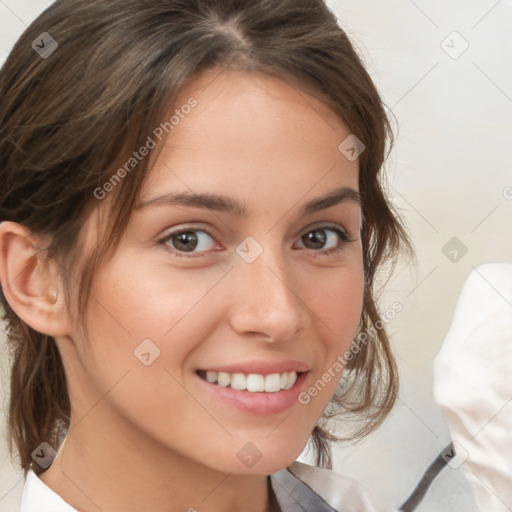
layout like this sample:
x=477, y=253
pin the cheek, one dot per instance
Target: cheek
x=342, y=303
x=131, y=303
x=338, y=311
x=143, y=324
x=336, y=305
x=142, y=328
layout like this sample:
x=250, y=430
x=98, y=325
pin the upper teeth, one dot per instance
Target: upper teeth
x=253, y=382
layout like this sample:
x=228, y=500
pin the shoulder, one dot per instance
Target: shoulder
x=340, y=492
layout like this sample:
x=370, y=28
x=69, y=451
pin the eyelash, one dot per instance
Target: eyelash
x=343, y=235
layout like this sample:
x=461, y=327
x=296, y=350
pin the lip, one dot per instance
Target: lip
x=260, y=403
x=261, y=367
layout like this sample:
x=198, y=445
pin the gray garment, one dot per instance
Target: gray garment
x=293, y=495
x=301, y=488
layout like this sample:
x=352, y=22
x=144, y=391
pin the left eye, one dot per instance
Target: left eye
x=190, y=240
x=318, y=236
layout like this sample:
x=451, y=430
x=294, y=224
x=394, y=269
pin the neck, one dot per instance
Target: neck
x=119, y=469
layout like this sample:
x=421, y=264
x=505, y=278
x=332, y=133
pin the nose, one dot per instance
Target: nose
x=266, y=300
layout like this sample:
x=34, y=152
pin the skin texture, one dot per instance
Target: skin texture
x=151, y=437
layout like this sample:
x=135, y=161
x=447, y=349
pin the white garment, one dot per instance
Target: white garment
x=473, y=384
x=299, y=488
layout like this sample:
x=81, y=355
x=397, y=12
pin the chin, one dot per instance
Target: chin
x=261, y=458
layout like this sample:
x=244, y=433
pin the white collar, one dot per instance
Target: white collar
x=38, y=497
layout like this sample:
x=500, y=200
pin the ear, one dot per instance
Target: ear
x=26, y=284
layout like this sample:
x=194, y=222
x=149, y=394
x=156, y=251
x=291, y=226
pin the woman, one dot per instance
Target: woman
x=148, y=375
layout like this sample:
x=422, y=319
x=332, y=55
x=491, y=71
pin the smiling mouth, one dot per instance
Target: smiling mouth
x=252, y=382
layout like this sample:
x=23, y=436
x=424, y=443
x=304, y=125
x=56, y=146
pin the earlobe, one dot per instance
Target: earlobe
x=26, y=285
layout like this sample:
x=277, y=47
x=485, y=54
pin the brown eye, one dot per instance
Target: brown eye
x=186, y=241
x=317, y=238
x=189, y=241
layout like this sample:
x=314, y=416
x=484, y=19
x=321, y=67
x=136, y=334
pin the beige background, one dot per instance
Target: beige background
x=447, y=174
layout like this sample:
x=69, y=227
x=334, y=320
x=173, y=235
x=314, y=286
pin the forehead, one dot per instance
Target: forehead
x=259, y=103
x=249, y=129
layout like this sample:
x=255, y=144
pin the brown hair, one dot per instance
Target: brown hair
x=68, y=119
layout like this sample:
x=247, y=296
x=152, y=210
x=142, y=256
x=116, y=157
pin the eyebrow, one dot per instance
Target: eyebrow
x=227, y=204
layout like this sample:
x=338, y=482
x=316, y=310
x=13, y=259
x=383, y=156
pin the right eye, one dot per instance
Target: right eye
x=187, y=240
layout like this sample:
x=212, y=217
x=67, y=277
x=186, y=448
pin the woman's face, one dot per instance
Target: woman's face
x=238, y=299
